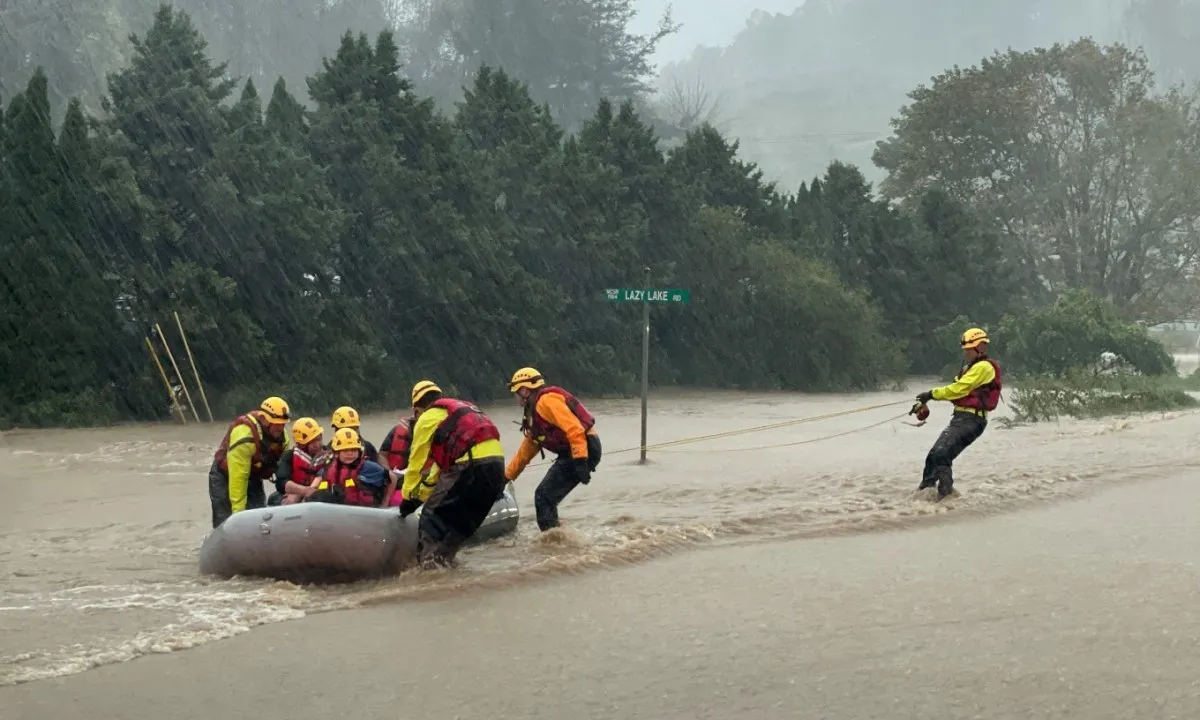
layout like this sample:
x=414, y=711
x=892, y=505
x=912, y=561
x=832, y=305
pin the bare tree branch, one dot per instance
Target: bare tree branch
x=689, y=105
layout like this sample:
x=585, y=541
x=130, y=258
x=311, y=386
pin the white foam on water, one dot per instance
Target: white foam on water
x=91, y=578
x=198, y=614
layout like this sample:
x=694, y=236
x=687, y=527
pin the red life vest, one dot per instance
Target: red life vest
x=304, y=468
x=985, y=397
x=465, y=427
x=267, y=451
x=547, y=435
x=401, y=444
x=342, y=479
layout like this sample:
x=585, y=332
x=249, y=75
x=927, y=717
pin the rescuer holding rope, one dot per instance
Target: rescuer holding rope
x=974, y=393
x=556, y=421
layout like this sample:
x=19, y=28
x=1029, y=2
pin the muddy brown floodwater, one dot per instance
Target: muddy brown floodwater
x=100, y=528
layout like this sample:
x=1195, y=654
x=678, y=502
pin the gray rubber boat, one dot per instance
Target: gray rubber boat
x=322, y=542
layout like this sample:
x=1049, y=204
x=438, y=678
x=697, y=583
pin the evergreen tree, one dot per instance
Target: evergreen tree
x=339, y=254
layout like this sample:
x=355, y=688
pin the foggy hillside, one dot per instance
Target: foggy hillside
x=701, y=22
x=805, y=87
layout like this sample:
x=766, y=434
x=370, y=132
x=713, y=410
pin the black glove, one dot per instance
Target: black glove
x=583, y=471
x=408, y=506
x=925, y=397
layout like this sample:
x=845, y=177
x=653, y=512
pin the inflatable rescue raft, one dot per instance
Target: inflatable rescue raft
x=321, y=541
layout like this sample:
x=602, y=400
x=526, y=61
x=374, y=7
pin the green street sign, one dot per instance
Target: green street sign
x=654, y=295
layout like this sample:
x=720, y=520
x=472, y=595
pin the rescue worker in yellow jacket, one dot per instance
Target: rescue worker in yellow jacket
x=347, y=417
x=974, y=393
x=464, y=446
x=249, y=454
x=557, y=422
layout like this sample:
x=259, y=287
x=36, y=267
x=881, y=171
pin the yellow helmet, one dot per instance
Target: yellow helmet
x=973, y=338
x=345, y=417
x=526, y=377
x=305, y=430
x=422, y=389
x=276, y=410
x=346, y=439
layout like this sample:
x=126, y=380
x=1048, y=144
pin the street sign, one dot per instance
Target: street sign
x=646, y=296
x=654, y=295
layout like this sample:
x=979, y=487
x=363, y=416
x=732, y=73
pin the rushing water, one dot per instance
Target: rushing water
x=100, y=527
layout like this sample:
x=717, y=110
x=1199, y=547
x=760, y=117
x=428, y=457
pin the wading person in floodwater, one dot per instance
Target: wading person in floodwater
x=974, y=393
x=557, y=422
x=465, y=447
x=248, y=454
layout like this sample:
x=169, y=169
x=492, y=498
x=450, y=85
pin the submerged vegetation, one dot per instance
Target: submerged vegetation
x=1039, y=399
x=1077, y=358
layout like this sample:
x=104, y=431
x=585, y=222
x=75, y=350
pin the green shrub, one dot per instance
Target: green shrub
x=88, y=407
x=1071, y=335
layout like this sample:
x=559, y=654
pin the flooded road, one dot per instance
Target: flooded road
x=99, y=532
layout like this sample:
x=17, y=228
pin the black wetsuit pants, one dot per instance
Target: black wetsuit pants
x=459, y=504
x=964, y=429
x=218, y=495
x=559, y=481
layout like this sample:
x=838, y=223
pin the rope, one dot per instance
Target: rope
x=797, y=442
x=762, y=428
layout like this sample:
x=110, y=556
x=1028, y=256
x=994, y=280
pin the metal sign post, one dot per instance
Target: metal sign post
x=645, y=296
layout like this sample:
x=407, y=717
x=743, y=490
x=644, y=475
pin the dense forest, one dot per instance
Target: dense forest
x=336, y=242
x=569, y=53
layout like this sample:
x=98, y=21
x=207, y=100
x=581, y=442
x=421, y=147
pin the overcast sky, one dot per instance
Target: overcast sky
x=705, y=22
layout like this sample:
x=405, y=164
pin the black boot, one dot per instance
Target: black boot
x=434, y=555
x=945, y=483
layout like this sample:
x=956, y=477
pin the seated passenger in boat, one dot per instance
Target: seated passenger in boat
x=347, y=417
x=300, y=464
x=352, y=479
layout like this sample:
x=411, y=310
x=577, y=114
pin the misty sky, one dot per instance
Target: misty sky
x=705, y=22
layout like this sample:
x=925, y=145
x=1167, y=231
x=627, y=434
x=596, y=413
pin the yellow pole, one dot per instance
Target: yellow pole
x=178, y=374
x=166, y=382
x=195, y=372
